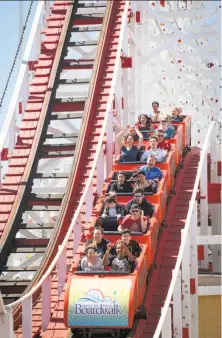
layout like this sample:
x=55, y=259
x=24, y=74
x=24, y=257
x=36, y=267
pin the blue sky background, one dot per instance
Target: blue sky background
x=9, y=39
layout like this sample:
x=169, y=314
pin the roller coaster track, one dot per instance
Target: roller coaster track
x=28, y=249
x=46, y=104
x=168, y=247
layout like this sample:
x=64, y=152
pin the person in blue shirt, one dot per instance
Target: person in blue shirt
x=129, y=151
x=168, y=128
x=152, y=173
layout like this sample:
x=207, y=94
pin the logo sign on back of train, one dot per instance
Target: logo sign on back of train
x=96, y=302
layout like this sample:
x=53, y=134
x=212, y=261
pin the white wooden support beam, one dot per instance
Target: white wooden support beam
x=215, y=210
x=109, y=143
x=133, y=54
x=167, y=327
x=27, y=318
x=89, y=204
x=118, y=117
x=135, y=41
x=186, y=300
x=193, y=13
x=125, y=98
x=157, y=5
x=100, y=172
x=177, y=308
x=25, y=90
x=46, y=302
x=213, y=157
x=6, y=320
x=209, y=240
x=204, y=211
x=194, y=273
x=177, y=33
x=77, y=234
x=62, y=270
x=140, y=84
x=125, y=78
x=118, y=98
x=209, y=290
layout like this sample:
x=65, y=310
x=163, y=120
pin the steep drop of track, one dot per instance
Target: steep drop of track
x=88, y=141
x=47, y=148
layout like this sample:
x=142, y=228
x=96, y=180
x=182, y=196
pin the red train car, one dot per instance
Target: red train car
x=110, y=299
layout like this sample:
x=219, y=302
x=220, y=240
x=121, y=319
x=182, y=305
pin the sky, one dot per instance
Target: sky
x=9, y=39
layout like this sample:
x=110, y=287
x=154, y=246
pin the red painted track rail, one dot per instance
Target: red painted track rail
x=43, y=107
x=16, y=197
x=63, y=20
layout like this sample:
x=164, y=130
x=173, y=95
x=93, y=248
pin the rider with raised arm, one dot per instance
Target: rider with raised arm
x=129, y=152
x=122, y=261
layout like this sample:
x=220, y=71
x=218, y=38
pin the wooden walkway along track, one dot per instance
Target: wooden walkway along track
x=168, y=247
x=32, y=194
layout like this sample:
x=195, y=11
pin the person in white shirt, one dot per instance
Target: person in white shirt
x=91, y=261
x=158, y=153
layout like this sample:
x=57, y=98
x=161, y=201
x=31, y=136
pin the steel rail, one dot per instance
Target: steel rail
x=90, y=178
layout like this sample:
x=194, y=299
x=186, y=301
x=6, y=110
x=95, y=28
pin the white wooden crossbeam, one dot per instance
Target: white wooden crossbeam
x=28, y=262
x=135, y=42
x=177, y=33
x=191, y=13
x=209, y=239
x=211, y=290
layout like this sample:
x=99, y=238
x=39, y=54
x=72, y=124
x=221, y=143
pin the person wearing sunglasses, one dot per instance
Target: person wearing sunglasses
x=139, y=199
x=112, y=208
x=161, y=142
x=136, y=221
x=168, y=128
x=159, y=154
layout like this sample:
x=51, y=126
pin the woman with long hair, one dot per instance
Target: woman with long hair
x=144, y=124
x=129, y=151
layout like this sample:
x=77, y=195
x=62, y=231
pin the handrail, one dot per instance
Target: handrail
x=90, y=178
x=21, y=78
x=184, y=235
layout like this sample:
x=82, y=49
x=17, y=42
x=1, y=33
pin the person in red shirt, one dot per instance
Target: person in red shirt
x=136, y=222
x=161, y=142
